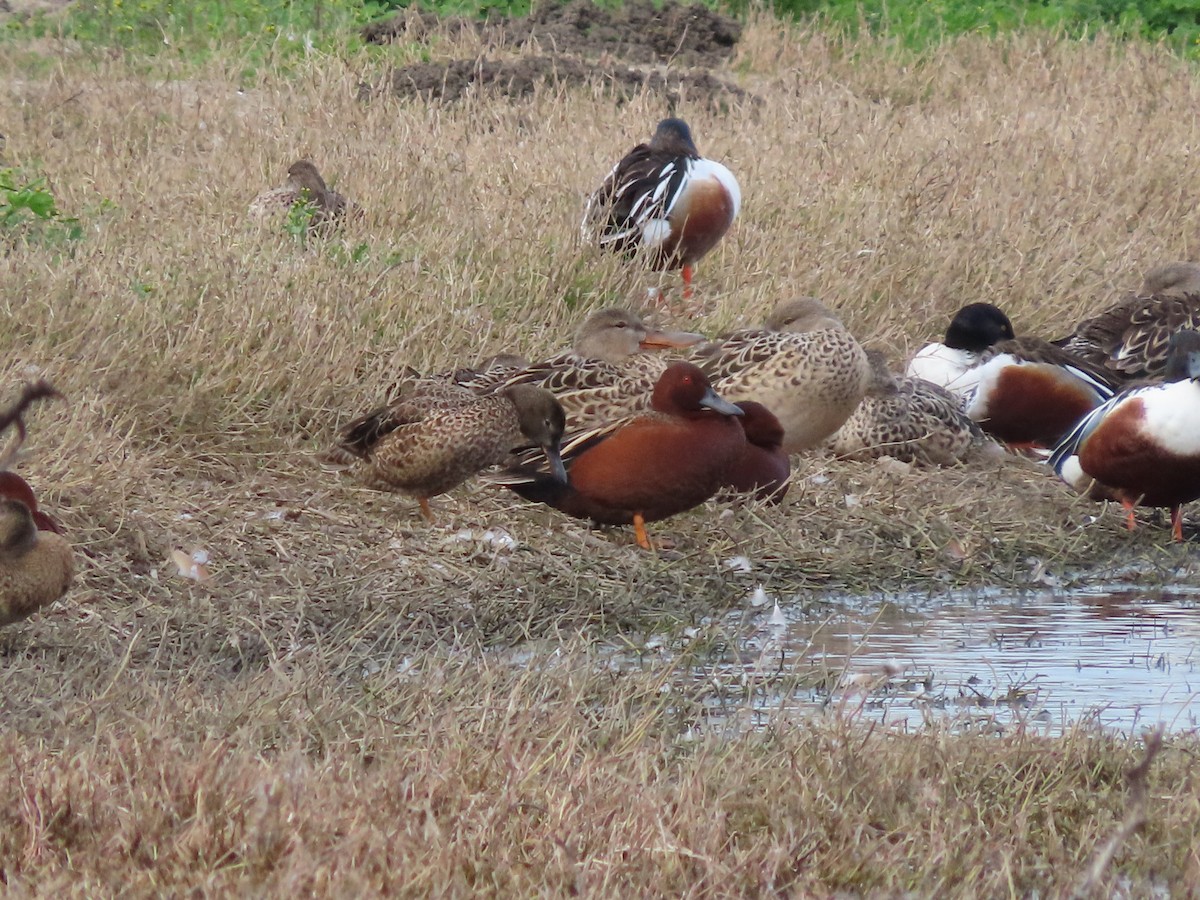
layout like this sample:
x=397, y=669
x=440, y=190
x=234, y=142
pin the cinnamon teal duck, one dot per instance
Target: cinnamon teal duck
x=648, y=466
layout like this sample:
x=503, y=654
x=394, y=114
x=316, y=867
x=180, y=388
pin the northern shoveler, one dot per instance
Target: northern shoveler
x=1143, y=446
x=665, y=201
x=36, y=566
x=648, y=466
x=1023, y=391
x=441, y=446
x=803, y=365
x=1131, y=338
x=763, y=469
x=606, y=375
x=909, y=419
x=304, y=185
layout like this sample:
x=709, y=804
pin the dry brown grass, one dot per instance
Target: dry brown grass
x=164, y=734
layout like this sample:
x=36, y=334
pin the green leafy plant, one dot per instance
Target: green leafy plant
x=28, y=210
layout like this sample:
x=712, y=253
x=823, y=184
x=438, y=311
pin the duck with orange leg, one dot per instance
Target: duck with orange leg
x=1143, y=446
x=649, y=466
x=1023, y=391
x=427, y=452
x=664, y=201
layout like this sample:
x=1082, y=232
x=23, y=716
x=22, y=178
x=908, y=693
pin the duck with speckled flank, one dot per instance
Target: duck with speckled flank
x=1131, y=338
x=450, y=442
x=304, y=185
x=610, y=371
x=803, y=365
x=909, y=419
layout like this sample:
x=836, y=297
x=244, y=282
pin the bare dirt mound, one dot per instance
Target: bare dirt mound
x=519, y=77
x=572, y=44
x=638, y=32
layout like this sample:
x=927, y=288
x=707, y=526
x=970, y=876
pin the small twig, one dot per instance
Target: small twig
x=1135, y=817
x=38, y=390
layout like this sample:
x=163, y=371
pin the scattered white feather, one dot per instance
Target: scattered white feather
x=739, y=564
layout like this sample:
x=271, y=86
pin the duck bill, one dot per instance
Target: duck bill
x=665, y=340
x=557, y=469
x=719, y=404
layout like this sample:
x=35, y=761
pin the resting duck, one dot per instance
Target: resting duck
x=435, y=444
x=1023, y=391
x=304, y=185
x=36, y=566
x=649, y=466
x=665, y=201
x=1131, y=338
x=803, y=365
x=36, y=563
x=1143, y=445
x=909, y=419
x=606, y=374
x=763, y=469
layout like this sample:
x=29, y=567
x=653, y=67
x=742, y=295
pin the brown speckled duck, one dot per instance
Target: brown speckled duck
x=909, y=419
x=304, y=185
x=606, y=374
x=1131, y=338
x=803, y=365
x=442, y=443
x=35, y=561
x=35, y=566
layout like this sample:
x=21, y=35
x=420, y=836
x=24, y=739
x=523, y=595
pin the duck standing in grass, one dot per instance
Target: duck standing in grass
x=1023, y=391
x=435, y=444
x=1143, y=445
x=304, y=186
x=909, y=419
x=664, y=201
x=649, y=466
x=611, y=369
x=1131, y=338
x=803, y=365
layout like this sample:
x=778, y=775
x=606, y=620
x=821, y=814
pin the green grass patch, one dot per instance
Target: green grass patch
x=281, y=30
x=917, y=24
x=28, y=212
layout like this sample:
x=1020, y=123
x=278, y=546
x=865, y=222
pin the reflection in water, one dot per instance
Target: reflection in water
x=1122, y=659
